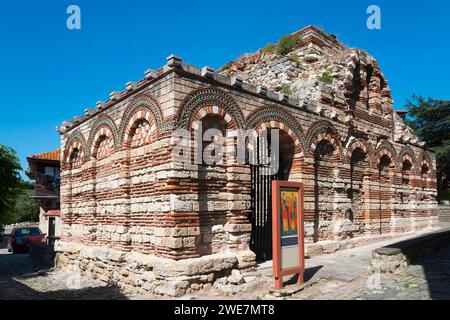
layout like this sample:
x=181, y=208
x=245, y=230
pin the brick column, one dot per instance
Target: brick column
x=238, y=190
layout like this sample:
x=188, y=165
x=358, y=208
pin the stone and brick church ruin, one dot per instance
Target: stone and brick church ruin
x=134, y=217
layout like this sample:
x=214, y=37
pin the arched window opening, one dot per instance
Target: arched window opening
x=358, y=164
x=103, y=147
x=356, y=86
x=349, y=214
x=212, y=182
x=386, y=192
x=287, y=150
x=384, y=167
x=323, y=192
x=405, y=194
x=406, y=172
x=424, y=171
x=75, y=157
x=213, y=121
x=369, y=73
x=324, y=151
x=140, y=133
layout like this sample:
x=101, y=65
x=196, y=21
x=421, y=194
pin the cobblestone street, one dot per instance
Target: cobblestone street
x=22, y=278
x=343, y=275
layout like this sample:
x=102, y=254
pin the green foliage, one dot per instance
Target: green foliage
x=443, y=166
x=16, y=205
x=294, y=58
x=9, y=178
x=329, y=36
x=270, y=48
x=25, y=209
x=287, y=43
x=430, y=120
x=363, y=53
x=286, y=90
x=444, y=194
x=325, y=78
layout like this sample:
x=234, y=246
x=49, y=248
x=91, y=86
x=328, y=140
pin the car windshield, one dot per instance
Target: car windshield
x=28, y=232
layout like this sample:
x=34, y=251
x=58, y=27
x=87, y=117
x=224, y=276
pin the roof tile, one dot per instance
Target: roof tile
x=51, y=155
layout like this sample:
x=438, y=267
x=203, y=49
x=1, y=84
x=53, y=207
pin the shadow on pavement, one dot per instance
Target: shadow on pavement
x=17, y=267
x=437, y=273
x=308, y=275
x=15, y=290
x=432, y=253
x=310, y=272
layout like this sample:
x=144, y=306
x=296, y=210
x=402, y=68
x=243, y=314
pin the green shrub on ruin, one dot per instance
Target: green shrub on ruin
x=329, y=36
x=287, y=43
x=325, y=78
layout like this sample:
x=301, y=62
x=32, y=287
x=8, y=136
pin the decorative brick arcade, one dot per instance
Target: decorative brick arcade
x=134, y=217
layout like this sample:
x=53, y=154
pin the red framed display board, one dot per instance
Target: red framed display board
x=287, y=232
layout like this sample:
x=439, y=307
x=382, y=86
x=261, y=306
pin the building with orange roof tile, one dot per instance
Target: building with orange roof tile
x=44, y=168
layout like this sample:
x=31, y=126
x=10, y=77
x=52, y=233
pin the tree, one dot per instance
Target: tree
x=26, y=209
x=10, y=181
x=430, y=120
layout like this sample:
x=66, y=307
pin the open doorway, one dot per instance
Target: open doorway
x=261, y=239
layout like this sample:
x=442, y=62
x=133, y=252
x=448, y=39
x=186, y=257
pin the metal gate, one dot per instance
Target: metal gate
x=261, y=240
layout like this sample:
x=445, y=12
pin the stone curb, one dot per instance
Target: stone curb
x=401, y=254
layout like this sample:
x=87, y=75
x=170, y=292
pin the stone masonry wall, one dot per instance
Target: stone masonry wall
x=134, y=217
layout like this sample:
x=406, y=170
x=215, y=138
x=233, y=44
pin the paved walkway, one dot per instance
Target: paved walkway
x=425, y=279
x=345, y=276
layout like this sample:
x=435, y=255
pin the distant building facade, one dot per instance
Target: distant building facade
x=133, y=216
x=45, y=169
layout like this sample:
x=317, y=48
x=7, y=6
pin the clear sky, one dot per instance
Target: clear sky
x=49, y=73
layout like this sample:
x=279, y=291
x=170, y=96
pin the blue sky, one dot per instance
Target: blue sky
x=49, y=74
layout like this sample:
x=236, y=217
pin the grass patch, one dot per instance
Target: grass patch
x=294, y=58
x=325, y=78
x=270, y=48
x=286, y=90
